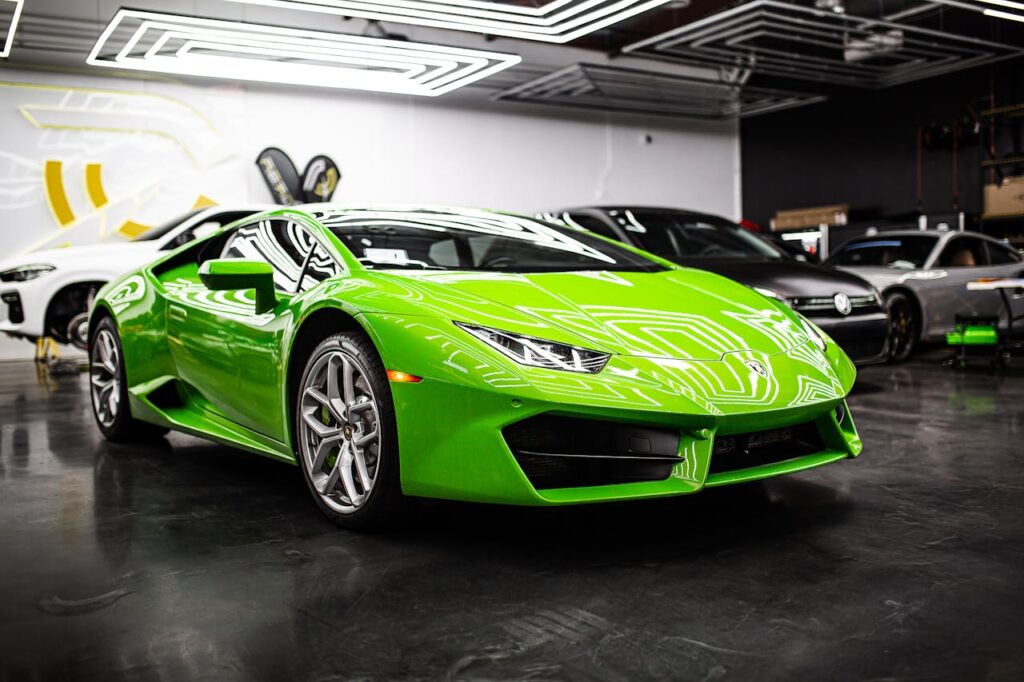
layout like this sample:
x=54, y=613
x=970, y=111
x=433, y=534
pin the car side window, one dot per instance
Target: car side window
x=281, y=243
x=319, y=267
x=203, y=229
x=592, y=223
x=963, y=252
x=1001, y=255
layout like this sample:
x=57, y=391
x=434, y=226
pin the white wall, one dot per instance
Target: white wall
x=162, y=144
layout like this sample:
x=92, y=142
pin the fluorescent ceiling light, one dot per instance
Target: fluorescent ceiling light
x=1003, y=15
x=555, y=21
x=1005, y=3
x=196, y=46
x=10, y=13
x=980, y=6
x=603, y=87
x=797, y=42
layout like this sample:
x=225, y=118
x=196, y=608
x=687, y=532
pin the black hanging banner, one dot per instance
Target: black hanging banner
x=280, y=175
x=320, y=179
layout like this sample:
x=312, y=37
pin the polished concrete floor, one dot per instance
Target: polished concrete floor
x=184, y=560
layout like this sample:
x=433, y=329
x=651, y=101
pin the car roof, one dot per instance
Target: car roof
x=332, y=209
x=605, y=208
x=235, y=208
x=940, y=235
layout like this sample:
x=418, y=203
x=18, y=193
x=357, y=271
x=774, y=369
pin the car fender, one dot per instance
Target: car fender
x=919, y=302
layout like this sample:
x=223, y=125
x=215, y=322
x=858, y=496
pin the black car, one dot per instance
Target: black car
x=847, y=307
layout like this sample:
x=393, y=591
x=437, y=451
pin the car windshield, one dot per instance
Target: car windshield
x=435, y=239
x=903, y=252
x=161, y=230
x=679, y=235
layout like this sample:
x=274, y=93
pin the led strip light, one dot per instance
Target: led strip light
x=556, y=21
x=1016, y=12
x=798, y=42
x=612, y=88
x=11, y=8
x=1012, y=10
x=196, y=46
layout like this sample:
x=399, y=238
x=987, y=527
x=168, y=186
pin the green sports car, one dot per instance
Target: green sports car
x=464, y=354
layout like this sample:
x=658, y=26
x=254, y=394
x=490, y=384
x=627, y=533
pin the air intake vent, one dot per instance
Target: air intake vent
x=569, y=452
x=748, y=450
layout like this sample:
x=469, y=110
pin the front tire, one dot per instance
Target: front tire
x=109, y=390
x=346, y=439
x=905, y=326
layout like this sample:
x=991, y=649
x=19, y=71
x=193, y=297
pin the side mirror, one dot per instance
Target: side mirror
x=231, y=274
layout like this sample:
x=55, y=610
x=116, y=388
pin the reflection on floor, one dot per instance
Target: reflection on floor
x=186, y=560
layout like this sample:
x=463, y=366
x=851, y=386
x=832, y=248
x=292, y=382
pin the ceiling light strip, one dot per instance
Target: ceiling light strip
x=14, y=7
x=798, y=42
x=197, y=46
x=611, y=88
x=558, y=21
x=1003, y=15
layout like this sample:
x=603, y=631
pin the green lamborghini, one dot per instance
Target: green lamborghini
x=464, y=354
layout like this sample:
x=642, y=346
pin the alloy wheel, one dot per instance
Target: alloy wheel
x=340, y=434
x=902, y=328
x=105, y=377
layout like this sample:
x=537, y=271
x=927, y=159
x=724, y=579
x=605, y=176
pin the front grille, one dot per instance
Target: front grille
x=15, y=313
x=861, y=349
x=570, y=452
x=825, y=306
x=746, y=450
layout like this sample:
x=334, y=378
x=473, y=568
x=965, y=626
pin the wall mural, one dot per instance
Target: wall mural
x=84, y=165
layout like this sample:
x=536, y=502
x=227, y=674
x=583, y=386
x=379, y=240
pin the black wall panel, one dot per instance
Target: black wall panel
x=859, y=147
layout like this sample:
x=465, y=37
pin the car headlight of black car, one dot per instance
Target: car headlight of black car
x=24, y=273
x=527, y=350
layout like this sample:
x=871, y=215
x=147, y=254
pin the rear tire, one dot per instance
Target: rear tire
x=78, y=331
x=109, y=390
x=905, y=326
x=346, y=438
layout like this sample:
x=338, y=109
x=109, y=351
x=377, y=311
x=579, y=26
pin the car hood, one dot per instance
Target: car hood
x=679, y=314
x=95, y=256
x=788, y=278
x=882, y=277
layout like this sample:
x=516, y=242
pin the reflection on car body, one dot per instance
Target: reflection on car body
x=845, y=306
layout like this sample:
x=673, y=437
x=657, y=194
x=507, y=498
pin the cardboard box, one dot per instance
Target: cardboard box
x=802, y=218
x=1006, y=199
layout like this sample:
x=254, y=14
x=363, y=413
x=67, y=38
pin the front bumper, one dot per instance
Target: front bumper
x=19, y=316
x=12, y=313
x=865, y=338
x=453, y=427
x=469, y=455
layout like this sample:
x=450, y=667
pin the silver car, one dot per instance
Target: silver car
x=923, y=277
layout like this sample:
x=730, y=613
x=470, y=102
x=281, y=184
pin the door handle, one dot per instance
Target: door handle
x=177, y=313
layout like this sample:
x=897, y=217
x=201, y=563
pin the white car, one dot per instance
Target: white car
x=48, y=293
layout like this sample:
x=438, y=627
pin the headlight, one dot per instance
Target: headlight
x=527, y=350
x=24, y=273
x=772, y=294
x=815, y=335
